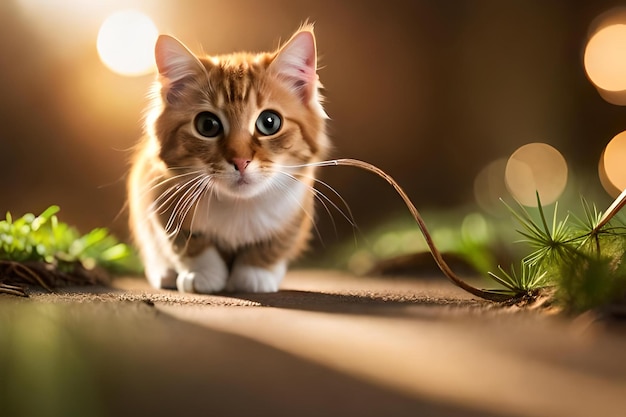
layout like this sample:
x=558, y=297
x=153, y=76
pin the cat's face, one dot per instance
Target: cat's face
x=240, y=119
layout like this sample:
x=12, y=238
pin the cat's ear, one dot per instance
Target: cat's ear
x=175, y=64
x=296, y=62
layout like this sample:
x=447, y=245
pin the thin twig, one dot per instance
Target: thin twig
x=16, y=276
x=13, y=290
x=437, y=256
x=615, y=207
x=27, y=273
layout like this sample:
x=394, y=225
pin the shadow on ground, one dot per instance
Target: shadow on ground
x=374, y=304
x=127, y=358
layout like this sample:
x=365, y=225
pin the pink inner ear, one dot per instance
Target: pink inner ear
x=174, y=61
x=296, y=62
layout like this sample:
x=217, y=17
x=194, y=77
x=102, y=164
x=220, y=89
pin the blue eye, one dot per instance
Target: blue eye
x=268, y=123
x=207, y=124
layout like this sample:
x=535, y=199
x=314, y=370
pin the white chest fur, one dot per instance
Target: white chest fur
x=239, y=221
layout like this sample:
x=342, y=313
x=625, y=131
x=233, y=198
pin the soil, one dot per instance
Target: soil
x=327, y=344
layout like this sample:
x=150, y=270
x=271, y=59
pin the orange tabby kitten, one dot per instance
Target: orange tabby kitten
x=220, y=189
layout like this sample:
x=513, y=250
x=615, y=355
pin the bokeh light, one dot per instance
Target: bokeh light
x=612, y=167
x=489, y=186
x=604, y=57
x=126, y=43
x=536, y=167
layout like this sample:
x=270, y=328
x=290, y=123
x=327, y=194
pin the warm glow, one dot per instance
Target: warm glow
x=612, y=165
x=489, y=186
x=126, y=43
x=536, y=167
x=605, y=58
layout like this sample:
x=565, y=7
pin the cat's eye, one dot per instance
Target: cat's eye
x=268, y=123
x=207, y=124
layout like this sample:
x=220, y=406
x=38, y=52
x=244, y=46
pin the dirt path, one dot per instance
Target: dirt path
x=327, y=344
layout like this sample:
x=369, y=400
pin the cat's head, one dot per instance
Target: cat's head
x=239, y=117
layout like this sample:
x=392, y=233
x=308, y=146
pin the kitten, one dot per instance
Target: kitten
x=221, y=191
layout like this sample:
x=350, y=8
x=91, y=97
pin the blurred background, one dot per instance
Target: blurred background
x=462, y=102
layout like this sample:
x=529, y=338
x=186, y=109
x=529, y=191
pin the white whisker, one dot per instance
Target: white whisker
x=349, y=216
x=183, y=205
x=205, y=186
x=157, y=182
x=164, y=201
x=321, y=196
x=330, y=162
x=283, y=188
x=326, y=201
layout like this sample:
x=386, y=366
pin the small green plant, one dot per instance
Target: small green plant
x=530, y=278
x=582, y=259
x=44, y=251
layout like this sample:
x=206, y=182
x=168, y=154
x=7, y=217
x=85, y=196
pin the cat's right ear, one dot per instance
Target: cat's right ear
x=175, y=64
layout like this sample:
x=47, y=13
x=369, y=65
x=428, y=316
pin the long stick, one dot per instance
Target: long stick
x=616, y=206
x=441, y=263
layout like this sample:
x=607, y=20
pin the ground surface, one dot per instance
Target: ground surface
x=326, y=345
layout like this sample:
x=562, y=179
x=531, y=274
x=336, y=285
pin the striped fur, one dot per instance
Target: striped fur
x=227, y=212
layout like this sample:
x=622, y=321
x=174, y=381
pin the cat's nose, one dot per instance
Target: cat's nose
x=241, y=164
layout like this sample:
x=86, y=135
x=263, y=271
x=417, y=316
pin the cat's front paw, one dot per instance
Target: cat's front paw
x=205, y=274
x=246, y=278
x=165, y=279
x=200, y=282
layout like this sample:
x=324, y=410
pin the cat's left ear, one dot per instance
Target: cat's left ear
x=296, y=62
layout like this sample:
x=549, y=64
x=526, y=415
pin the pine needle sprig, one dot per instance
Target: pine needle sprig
x=580, y=257
x=546, y=241
x=530, y=278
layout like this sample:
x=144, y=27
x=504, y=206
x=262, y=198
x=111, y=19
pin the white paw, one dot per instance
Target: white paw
x=200, y=282
x=206, y=273
x=161, y=277
x=245, y=278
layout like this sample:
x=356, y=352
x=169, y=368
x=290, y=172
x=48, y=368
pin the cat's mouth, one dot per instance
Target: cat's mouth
x=241, y=185
x=243, y=181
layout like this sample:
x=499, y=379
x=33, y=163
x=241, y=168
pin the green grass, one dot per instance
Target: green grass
x=42, y=250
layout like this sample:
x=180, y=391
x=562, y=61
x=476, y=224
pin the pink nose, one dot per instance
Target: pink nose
x=241, y=164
